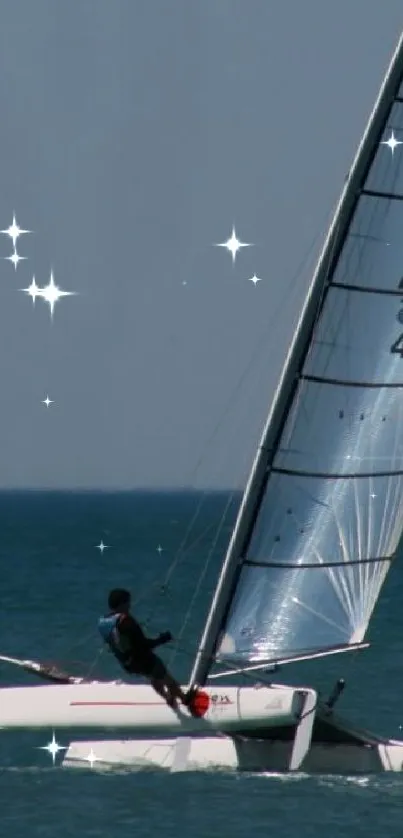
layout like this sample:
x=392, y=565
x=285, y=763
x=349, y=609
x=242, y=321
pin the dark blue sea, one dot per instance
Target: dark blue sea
x=54, y=581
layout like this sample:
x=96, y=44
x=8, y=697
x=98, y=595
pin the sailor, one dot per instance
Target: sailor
x=134, y=651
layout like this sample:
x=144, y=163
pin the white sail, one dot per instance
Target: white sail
x=322, y=514
x=331, y=516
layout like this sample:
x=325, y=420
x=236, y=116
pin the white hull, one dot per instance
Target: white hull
x=139, y=709
x=231, y=754
x=262, y=728
x=319, y=742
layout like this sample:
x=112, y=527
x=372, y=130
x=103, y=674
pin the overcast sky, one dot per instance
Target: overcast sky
x=134, y=134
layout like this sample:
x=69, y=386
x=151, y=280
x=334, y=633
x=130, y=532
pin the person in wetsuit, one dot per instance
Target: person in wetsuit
x=134, y=651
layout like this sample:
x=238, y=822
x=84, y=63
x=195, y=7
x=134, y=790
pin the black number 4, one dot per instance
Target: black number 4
x=397, y=346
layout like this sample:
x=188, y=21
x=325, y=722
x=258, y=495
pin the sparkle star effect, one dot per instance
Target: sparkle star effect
x=159, y=549
x=14, y=231
x=52, y=748
x=51, y=293
x=33, y=290
x=92, y=758
x=15, y=258
x=47, y=401
x=255, y=279
x=392, y=142
x=101, y=546
x=233, y=244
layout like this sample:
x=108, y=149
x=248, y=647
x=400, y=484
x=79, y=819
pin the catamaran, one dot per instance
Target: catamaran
x=318, y=528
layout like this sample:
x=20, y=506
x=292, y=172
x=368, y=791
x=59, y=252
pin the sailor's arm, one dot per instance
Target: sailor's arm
x=132, y=630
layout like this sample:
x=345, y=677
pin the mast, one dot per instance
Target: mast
x=292, y=367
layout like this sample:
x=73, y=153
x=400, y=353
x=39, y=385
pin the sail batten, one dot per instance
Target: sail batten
x=327, y=475
x=319, y=565
x=390, y=196
x=343, y=382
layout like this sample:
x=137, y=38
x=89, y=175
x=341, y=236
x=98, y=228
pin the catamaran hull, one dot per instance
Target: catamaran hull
x=233, y=754
x=320, y=742
x=317, y=741
x=139, y=709
x=262, y=728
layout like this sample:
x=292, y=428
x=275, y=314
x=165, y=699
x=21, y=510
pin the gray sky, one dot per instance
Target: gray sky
x=134, y=134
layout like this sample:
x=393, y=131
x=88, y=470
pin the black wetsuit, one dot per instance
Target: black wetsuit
x=140, y=658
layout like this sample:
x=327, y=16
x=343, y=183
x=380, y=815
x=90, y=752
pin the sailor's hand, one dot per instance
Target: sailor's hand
x=166, y=637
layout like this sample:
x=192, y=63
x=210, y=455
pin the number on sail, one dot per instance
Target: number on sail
x=397, y=346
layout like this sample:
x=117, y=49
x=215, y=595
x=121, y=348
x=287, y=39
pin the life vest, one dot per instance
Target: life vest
x=118, y=644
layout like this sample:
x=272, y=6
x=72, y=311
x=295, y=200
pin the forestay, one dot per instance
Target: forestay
x=331, y=515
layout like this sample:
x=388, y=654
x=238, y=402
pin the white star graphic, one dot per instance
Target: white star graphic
x=392, y=142
x=92, y=758
x=14, y=231
x=255, y=279
x=233, y=244
x=33, y=290
x=101, y=546
x=47, y=401
x=159, y=549
x=15, y=258
x=52, y=748
x=51, y=293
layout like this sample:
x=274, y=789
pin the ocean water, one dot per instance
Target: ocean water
x=54, y=583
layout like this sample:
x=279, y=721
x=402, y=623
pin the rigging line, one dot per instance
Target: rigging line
x=232, y=398
x=297, y=399
x=205, y=568
x=297, y=402
x=226, y=410
x=263, y=337
x=182, y=550
x=95, y=662
x=78, y=644
x=157, y=582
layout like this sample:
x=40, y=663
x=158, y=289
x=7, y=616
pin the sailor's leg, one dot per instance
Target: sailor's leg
x=159, y=687
x=174, y=689
x=162, y=679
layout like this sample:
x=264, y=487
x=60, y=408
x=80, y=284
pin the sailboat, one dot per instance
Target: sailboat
x=318, y=528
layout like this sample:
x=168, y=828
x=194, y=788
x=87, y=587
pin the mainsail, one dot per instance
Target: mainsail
x=322, y=515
